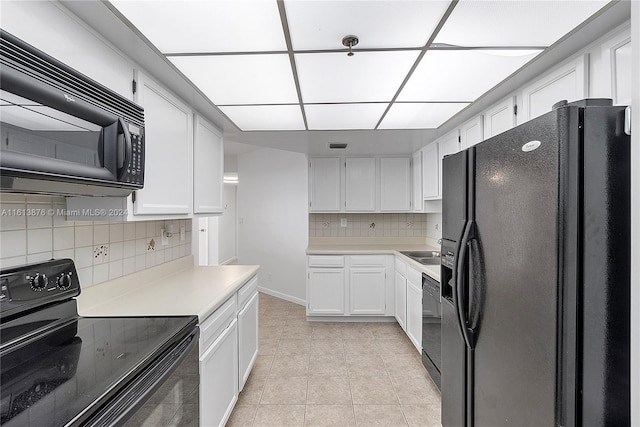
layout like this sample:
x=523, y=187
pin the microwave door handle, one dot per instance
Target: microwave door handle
x=127, y=151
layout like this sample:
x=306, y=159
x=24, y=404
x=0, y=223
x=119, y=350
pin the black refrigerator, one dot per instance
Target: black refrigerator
x=536, y=273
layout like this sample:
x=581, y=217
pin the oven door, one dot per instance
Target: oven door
x=166, y=393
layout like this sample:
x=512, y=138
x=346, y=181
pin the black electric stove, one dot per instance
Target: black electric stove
x=62, y=369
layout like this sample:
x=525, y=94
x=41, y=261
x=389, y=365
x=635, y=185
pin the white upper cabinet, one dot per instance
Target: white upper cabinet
x=395, y=184
x=168, y=167
x=430, y=171
x=416, y=182
x=499, y=118
x=567, y=82
x=448, y=144
x=616, y=69
x=324, y=184
x=471, y=132
x=360, y=184
x=208, y=168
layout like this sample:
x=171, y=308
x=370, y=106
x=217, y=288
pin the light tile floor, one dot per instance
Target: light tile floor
x=333, y=374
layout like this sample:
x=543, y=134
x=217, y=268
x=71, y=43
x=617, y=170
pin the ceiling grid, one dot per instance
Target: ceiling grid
x=274, y=65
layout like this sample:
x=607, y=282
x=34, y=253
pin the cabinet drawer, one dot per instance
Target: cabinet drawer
x=216, y=323
x=326, y=261
x=246, y=292
x=414, y=276
x=401, y=267
x=367, y=260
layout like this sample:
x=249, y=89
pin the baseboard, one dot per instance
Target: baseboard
x=351, y=319
x=282, y=296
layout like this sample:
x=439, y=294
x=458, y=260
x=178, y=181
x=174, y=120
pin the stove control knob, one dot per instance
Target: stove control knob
x=64, y=281
x=39, y=282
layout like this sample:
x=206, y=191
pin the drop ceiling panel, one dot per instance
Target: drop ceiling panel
x=460, y=75
x=364, y=77
x=265, y=117
x=207, y=26
x=344, y=116
x=514, y=23
x=241, y=79
x=383, y=23
x=419, y=115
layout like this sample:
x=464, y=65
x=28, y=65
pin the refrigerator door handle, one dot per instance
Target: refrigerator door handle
x=462, y=279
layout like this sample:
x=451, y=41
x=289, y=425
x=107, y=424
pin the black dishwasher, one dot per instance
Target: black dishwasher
x=431, y=332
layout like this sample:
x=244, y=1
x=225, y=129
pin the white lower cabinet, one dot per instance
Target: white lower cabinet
x=414, y=314
x=219, y=377
x=247, y=339
x=339, y=285
x=325, y=291
x=228, y=350
x=367, y=290
x=400, y=286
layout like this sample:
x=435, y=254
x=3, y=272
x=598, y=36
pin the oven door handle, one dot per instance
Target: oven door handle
x=135, y=394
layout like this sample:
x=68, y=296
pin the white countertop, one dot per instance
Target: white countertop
x=171, y=289
x=349, y=247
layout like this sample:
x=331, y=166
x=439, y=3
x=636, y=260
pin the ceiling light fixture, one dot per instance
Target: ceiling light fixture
x=350, y=41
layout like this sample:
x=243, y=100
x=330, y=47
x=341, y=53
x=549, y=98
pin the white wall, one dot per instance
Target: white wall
x=273, y=220
x=635, y=216
x=227, y=226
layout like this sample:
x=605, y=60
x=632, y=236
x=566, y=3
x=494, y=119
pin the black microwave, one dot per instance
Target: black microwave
x=62, y=132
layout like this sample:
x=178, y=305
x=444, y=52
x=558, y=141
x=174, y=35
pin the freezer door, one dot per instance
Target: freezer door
x=454, y=195
x=515, y=296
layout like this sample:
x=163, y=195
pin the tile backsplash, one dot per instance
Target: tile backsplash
x=34, y=229
x=376, y=225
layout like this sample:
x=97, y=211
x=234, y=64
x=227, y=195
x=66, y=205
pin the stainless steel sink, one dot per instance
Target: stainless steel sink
x=424, y=257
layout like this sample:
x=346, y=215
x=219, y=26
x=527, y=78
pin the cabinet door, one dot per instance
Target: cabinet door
x=566, y=83
x=168, y=173
x=471, y=133
x=367, y=291
x=208, y=168
x=616, y=58
x=430, y=171
x=247, y=339
x=499, y=118
x=325, y=291
x=360, y=184
x=219, y=378
x=414, y=314
x=448, y=144
x=400, y=285
x=324, y=183
x=395, y=184
x=416, y=182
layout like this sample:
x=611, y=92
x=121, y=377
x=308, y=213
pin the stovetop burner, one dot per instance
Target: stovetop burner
x=59, y=368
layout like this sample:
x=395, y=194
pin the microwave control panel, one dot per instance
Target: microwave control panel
x=134, y=173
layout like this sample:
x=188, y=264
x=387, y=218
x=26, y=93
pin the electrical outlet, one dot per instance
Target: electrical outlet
x=343, y=222
x=183, y=234
x=164, y=239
